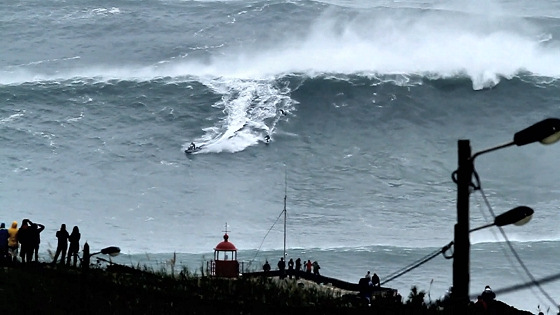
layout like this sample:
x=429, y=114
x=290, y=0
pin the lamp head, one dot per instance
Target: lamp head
x=546, y=132
x=111, y=251
x=517, y=216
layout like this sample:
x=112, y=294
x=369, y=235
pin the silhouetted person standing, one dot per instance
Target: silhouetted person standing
x=4, y=235
x=290, y=268
x=298, y=264
x=282, y=268
x=308, y=266
x=375, y=280
x=62, y=247
x=266, y=267
x=488, y=295
x=316, y=268
x=36, y=230
x=24, y=238
x=74, y=239
x=298, y=267
x=13, y=244
x=368, y=276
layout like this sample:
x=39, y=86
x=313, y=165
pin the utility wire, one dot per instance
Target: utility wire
x=530, y=284
x=415, y=264
x=505, y=250
x=278, y=218
x=533, y=280
x=262, y=242
x=525, y=285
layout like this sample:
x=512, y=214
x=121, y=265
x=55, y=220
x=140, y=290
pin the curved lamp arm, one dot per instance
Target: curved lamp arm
x=518, y=216
x=545, y=132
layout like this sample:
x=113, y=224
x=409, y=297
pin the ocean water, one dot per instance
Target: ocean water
x=364, y=102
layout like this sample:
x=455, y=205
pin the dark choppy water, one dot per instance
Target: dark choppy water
x=364, y=101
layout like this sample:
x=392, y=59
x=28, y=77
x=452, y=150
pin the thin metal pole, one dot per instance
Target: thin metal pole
x=461, y=256
x=285, y=214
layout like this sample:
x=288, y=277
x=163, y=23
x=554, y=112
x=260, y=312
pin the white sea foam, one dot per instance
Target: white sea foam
x=484, y=46
x=252, y=108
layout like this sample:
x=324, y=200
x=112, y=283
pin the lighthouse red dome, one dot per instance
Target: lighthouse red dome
x=225, y=245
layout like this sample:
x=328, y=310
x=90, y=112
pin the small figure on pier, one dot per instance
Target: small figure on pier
x=316, y=268
x=4, y=236
x=290, y=268
x=282, y=268
x=298, y=267
x=488, y=295
x=266, y=266
x=375, y=280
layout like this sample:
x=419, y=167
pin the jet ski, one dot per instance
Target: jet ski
x=192, y=149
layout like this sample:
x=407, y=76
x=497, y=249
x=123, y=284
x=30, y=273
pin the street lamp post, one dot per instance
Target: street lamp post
x=461, y=259
x=546, y=132
x=111, y=251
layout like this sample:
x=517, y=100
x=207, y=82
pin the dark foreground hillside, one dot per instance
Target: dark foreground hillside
x=42, y=288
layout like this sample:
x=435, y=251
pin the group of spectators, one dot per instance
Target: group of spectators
x=294, y=268
x=23, y=242
x=63, y=239
x=372, y=280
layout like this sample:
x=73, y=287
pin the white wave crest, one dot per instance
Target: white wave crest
x=252, y=110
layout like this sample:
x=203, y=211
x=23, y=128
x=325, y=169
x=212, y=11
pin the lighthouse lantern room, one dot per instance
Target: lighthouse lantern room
x=225, y=259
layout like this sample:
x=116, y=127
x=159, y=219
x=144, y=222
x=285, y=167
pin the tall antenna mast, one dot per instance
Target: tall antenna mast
x=285, y=212
x=226, y=228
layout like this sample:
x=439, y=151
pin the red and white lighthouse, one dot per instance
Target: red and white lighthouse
x=225, y=259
